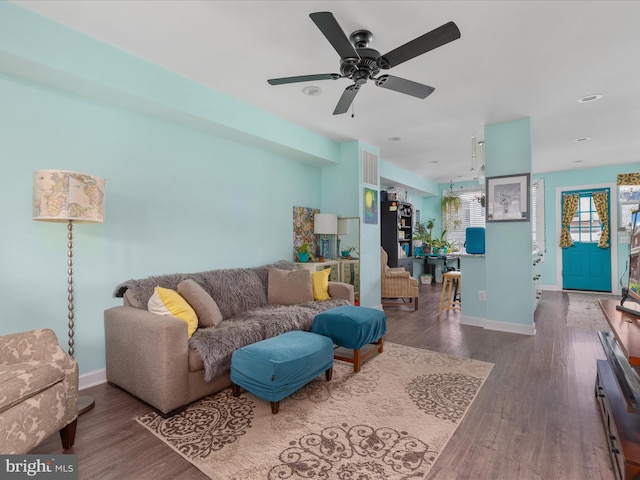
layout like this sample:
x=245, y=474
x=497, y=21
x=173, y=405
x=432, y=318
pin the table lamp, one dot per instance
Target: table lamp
x=325, y=224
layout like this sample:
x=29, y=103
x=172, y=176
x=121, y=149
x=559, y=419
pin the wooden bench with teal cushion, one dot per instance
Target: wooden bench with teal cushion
x=276, y=367
x=352, y=328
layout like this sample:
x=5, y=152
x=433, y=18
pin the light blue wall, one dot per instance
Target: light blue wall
x=176, y=200
x=411, y=181
x=577, y=178
x=343, y=193
x=194, y=180
x=509, y=245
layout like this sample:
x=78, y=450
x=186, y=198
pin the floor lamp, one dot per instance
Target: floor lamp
x=71, y=197
x=325, y=224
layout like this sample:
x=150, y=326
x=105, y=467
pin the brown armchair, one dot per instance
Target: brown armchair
x=396, y=283
x=38, y=391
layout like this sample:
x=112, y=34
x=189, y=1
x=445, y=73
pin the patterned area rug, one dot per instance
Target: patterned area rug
x=584, y=311
x=389, y=421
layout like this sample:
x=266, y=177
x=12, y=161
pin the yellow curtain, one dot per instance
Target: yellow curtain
x=601, y=201
x=570, y=207
x=628, y=179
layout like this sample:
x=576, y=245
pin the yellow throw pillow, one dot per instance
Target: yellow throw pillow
x=165, y=301
x=320, y=281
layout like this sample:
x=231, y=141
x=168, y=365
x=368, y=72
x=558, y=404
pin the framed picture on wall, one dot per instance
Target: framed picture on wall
x=370, y=206
x=508, y=198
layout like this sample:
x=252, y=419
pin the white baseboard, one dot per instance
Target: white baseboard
x=510, y=327
x=92, y=379
x=472, y=321
x=498, y=326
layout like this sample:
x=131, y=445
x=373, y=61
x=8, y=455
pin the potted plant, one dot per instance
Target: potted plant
x=346, y=252
x=303, y=253
x=441, y=245
x=450, y=206
x=422, y=234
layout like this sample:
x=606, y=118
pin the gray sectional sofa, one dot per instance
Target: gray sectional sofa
x=151, y=356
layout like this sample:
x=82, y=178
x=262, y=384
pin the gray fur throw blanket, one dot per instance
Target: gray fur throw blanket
x=216, y=344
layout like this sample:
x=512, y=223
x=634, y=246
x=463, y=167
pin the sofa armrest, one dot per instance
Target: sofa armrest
x=147, y=355
x=342, y=290
x=40, y=345
x=396, y=272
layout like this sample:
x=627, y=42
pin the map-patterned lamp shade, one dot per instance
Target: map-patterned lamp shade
x=60, y=196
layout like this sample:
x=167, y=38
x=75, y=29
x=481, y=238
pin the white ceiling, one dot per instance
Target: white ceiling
x=515, y=59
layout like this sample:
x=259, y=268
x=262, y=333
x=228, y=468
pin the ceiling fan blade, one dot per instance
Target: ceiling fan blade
x=435, y=38
x=346, y=99
x=304, y=78
x=403, y=85
x=330, y=28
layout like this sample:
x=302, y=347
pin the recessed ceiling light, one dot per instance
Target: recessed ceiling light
x=432, y=162
x=394, y=139
x=312, y=90
x=590, y=98
x=582, y=139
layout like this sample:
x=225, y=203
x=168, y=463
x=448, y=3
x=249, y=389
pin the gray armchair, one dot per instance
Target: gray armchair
x=38, y=391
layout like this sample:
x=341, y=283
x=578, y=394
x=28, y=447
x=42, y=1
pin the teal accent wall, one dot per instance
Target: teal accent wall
x=509, y=245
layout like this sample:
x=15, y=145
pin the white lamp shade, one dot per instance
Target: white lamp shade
x=325, y=223
x=343, y=226
x=60, y=196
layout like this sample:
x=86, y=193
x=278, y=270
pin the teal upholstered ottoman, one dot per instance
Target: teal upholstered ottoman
x=352, y=327
x=275, y=368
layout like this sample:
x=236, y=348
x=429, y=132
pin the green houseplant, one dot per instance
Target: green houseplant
x=303, y=253
x=440, y=244
x=450, y=206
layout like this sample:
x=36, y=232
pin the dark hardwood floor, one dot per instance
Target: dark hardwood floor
x=535, y=417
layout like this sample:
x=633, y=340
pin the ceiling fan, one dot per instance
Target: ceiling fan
x=360, y=63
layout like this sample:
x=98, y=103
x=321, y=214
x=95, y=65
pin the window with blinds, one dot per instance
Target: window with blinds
x=537, y=215
x=471, y=214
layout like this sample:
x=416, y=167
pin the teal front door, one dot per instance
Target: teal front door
x=585, y=266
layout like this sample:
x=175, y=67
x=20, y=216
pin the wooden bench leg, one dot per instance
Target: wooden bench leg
x=235, y=389
x=356, y=360
x=275, y=407
x=329, y=373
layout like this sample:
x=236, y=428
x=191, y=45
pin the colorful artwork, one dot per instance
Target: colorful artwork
x=370, y=206
x=303, y=229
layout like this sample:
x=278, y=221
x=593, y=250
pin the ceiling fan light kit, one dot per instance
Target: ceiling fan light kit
x=359, y=63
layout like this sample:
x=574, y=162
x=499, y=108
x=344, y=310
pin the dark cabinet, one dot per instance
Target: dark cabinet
x=396, y=230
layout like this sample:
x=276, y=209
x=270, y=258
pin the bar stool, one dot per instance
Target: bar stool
x=451, y=291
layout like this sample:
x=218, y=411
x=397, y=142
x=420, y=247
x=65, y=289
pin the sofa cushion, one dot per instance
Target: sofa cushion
x=289, y=287
x=320, y=281
x=235, y=290
x=165, y=301
x=205, y=307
